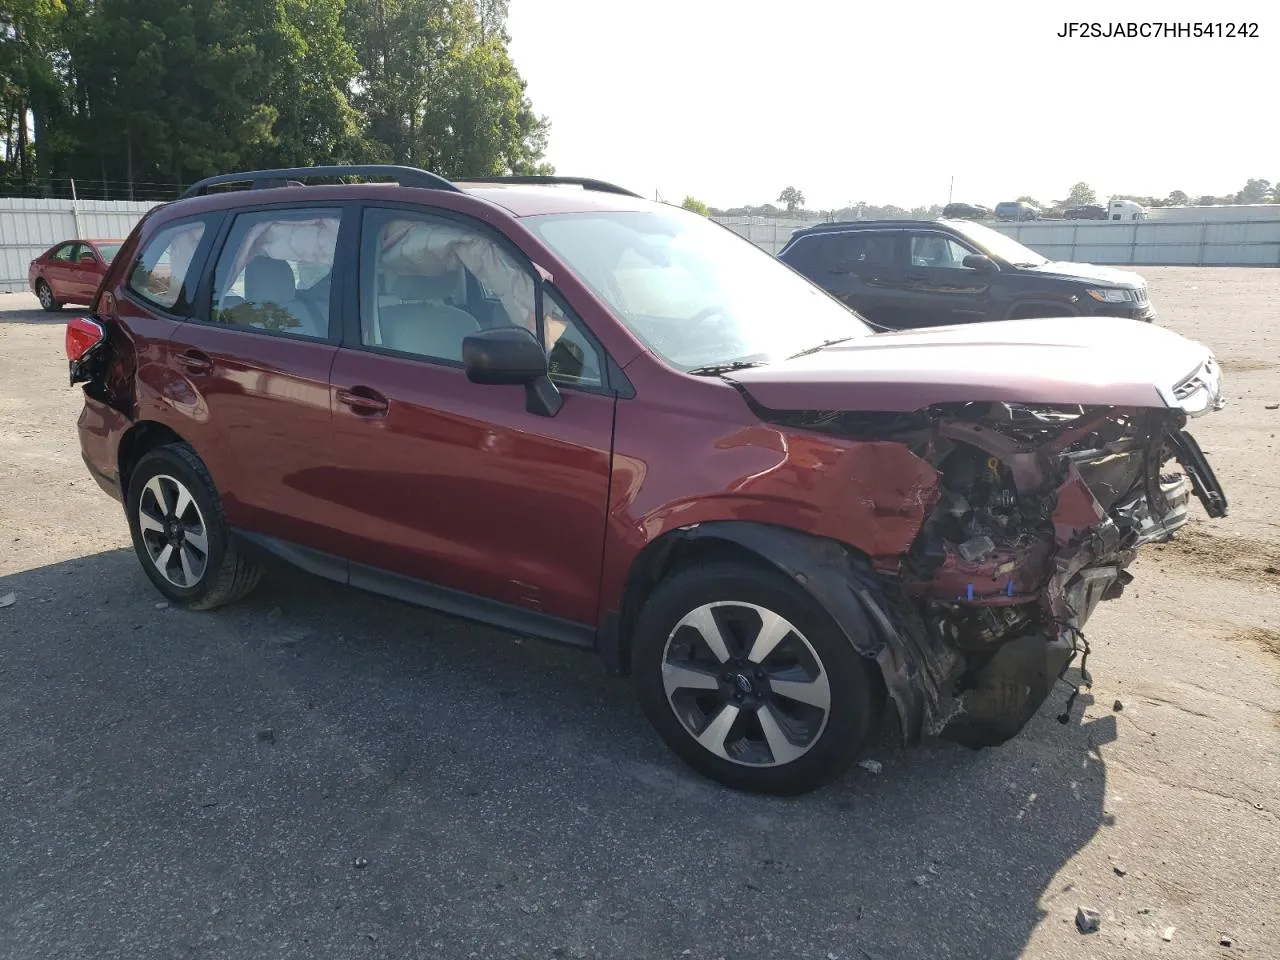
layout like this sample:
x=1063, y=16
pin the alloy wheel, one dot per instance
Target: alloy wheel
x=173, y=531
x=45, y=295
x=746, y=684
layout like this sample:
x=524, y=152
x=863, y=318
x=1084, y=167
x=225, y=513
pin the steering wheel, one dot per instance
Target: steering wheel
x=707, y=313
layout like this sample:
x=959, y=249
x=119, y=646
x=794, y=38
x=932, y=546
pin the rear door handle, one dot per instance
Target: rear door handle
x=196, y=361
x=364, y=401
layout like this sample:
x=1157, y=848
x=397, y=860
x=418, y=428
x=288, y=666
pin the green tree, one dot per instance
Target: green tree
x=696, y=205
x=1031, y=200
x=792, y=198
x=439, y=87
x=1080, y=195
x=1177, y=198
x=30, y=42
x=1255, y=191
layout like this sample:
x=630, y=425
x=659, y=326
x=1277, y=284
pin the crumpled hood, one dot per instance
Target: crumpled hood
x=1109, y=276
x=1102, y=361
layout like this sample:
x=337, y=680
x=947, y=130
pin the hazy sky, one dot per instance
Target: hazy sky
x=884, y=101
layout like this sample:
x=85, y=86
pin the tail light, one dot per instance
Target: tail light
x=85, y=338
x=83, y=335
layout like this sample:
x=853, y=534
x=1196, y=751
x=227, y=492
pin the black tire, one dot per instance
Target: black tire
x=45, y=294
x=227, y=574
x=856, y=699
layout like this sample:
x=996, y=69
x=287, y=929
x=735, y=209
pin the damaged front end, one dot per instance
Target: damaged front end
x=1039, y=511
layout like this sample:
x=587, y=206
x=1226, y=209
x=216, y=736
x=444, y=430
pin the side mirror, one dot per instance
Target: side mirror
x=512, y=355
x=976, y=261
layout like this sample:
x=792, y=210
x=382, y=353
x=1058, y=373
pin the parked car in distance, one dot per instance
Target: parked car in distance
x=69, y=272
x=553, y=406
x=928, y=273
x=1088, y=211
x=965, y=211
x=1016, y=210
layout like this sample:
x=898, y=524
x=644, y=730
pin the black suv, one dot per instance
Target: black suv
x=965, y=211
x=926, y=273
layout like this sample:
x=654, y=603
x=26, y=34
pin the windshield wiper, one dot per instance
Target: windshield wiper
x=822, y=346
x=714, y=368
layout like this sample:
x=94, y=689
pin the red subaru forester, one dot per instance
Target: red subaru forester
x=554, y=407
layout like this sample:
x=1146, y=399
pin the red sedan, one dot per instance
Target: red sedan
x=70, y=272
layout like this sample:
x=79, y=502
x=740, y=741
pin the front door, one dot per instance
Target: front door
x=88, y=272
x=59, y=272
x=941, y=290
x=257, y=358
x=453, y=483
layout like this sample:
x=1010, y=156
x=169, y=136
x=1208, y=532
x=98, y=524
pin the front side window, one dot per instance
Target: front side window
x=428, y=282
x=161, y=269
x=935, y=250
x=997, y=245
x=274, y=272
x=572, y=358
x=695, y=293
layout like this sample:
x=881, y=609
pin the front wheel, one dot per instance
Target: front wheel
x=750, y=682
x=179, y=532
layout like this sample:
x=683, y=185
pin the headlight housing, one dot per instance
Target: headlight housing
x=1114, y=295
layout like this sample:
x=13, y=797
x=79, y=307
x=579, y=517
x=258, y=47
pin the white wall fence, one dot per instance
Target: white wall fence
x=1242, y=242
x=30, y=227
x=769, y=233
x=1219, y=243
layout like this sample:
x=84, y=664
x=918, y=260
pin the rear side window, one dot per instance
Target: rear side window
x=63, y=253
x=161, y=269
x=274, y=272
x=841, y=253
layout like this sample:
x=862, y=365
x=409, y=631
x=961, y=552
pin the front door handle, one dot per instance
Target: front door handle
x=196, y=361
x=364, y=401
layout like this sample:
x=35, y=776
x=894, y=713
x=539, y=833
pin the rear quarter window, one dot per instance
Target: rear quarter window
x=160, y=270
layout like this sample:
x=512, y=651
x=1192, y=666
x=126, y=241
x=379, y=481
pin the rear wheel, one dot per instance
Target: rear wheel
x=180, y=534
x=44, y=293
x=750, y=682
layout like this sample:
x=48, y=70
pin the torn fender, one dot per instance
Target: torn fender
x=916, y=664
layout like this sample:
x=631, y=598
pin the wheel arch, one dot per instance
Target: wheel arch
x=838, y=578
x=143, y=437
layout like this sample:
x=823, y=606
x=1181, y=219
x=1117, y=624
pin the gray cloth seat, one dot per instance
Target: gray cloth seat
x=429, y=329
x=271, y=301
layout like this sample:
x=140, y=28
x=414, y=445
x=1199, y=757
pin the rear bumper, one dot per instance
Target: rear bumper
x=101, y=428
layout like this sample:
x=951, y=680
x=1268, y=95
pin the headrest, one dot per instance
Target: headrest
x=267, y=280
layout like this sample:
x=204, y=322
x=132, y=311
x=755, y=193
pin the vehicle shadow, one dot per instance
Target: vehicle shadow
x=24, y=308
x=337, y=774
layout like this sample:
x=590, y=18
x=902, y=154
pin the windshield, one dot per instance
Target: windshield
x=996, y=244
x=694, y=292
x=108, y=251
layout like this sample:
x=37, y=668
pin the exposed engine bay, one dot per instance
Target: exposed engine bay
x=1039, y=510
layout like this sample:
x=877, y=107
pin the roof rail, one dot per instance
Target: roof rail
x=586, y=183
x=289, y=176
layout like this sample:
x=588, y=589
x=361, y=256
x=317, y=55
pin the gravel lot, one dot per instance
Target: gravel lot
x=321, y=773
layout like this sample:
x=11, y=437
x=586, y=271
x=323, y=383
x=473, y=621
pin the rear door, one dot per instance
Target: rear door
x=941, y=290
x=452, y=483
x=256, y=358
x=864, y=269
